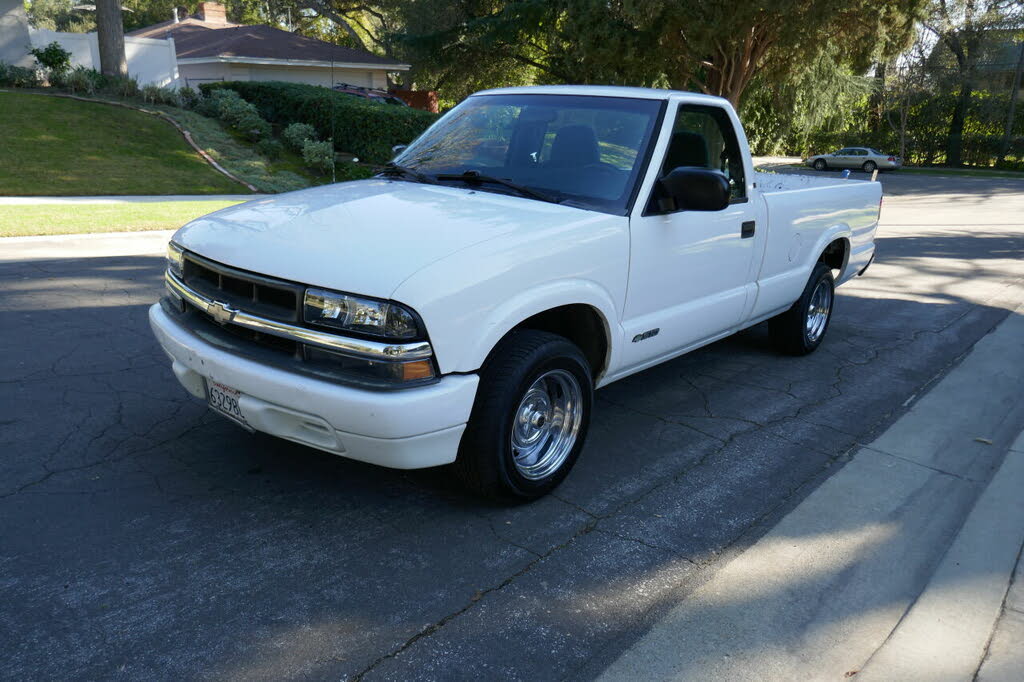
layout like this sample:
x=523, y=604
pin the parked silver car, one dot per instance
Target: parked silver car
x=863, y=158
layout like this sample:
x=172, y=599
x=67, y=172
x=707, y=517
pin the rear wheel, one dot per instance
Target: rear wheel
x=819, y=164
x=869, y=166
x=801, y=329
x=530, y=417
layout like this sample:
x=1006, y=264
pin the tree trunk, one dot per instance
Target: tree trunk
x=877, y=106
x=1004, y=146
x=955, y=140
x=110, y=33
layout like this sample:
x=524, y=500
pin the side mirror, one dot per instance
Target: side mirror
x=694, y=189
x=398, y=149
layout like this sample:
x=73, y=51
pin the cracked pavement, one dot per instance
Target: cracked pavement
x=143, y=537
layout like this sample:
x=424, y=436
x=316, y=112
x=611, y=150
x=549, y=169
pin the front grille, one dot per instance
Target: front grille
x=269, y=341
x=263, y=296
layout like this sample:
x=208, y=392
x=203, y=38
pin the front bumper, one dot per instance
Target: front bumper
x=404, y=429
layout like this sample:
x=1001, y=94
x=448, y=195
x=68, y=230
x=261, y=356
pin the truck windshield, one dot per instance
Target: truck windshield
x=580, y=150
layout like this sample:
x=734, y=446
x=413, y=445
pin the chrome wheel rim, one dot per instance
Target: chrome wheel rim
x=818, y=311
x=546, y=424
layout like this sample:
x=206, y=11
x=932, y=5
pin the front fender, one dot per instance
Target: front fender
x=533, y=301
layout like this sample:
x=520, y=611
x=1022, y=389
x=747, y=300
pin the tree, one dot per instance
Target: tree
x=1004, y=144
x=961, y=26
x=714, y=47
x=110, y=34
x=59, y=15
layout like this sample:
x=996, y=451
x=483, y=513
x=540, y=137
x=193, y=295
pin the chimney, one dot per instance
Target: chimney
x=212, y=12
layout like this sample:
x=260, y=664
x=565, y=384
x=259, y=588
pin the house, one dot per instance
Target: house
x=210, y=48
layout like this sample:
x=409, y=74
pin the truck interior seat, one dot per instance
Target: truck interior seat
x=686, y=149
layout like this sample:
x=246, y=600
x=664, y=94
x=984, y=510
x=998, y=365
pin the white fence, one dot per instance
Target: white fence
x=149, y=60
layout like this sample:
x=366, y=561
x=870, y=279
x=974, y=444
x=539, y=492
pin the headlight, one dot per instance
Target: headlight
x=175, y=259
x=363, y=315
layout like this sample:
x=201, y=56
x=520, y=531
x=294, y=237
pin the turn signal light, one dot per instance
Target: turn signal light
x=420, y=369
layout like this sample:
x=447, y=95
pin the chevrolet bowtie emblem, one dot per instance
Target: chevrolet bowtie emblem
x=221, y=312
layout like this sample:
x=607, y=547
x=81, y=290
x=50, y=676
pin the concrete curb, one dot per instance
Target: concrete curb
x=94, y=245
x=945, y=633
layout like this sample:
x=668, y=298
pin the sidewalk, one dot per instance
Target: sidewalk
x=91, y=245
x=126, y=199
x=895, y=568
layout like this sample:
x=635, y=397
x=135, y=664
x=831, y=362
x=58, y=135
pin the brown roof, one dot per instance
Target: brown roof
x=194, y=38
x=169, y=28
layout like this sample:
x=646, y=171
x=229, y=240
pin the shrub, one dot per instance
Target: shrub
x=242, y=117
x=209, y=105
x=122, y=86
x=234, y=112
x=54, y=58
x=270, y=148
x=81, y=80
x=363, y=128
x=318, y=155
x=188, y=98
x=296, y=134
x=253, y=127
x=353, y=171
x=12, y=76
x=154, y=94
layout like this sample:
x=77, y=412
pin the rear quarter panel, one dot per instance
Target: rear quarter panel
x=805, y=215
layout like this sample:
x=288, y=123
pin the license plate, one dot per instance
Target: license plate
x=224, y=399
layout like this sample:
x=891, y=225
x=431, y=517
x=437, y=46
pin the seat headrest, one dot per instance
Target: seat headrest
x=575, y=145
x=686, y=149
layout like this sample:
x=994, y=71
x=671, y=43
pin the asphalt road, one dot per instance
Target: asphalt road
x=143, y=537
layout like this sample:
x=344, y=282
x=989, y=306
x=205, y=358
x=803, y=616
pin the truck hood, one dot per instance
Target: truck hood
x=363, y=237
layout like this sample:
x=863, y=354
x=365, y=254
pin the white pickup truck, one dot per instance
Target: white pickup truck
x=534, y=244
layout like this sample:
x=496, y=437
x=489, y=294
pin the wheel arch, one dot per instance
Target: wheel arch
x=582, y=312
x=833, y=249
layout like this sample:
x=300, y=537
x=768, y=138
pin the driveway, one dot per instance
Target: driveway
x=143, y=537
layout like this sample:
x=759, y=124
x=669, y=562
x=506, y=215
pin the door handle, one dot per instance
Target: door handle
x=747, y=230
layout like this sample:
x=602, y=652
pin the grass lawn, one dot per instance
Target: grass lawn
x=38, y=219
x=53, y=146
x=240, y=158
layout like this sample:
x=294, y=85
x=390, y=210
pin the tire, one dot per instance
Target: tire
x=515, y=446
x=794, y=332
x=869, y=166
x=820, y=165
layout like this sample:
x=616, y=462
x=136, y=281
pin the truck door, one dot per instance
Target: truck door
x=691, y=272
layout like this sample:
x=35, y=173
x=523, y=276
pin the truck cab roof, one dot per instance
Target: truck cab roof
x=607, y=91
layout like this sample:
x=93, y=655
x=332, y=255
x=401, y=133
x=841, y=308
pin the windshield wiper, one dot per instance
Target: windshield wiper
x=474, y=177
x=404, y=171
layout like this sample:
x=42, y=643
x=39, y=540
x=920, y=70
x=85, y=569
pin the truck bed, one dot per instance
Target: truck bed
x=789, y=182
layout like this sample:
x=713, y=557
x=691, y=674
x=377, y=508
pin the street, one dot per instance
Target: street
x=141, y=536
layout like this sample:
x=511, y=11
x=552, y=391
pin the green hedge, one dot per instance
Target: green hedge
x=363, y=128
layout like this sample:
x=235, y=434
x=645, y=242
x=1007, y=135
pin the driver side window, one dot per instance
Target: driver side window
x=703, y=137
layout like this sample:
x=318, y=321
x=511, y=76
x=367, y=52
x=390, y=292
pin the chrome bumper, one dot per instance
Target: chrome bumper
x=225, y=314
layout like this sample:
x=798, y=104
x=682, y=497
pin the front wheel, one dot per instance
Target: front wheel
x=801, y=329
x=819, y=164
x=530, y=417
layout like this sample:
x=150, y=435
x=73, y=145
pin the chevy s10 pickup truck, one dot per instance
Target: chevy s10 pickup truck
x=533, y=245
